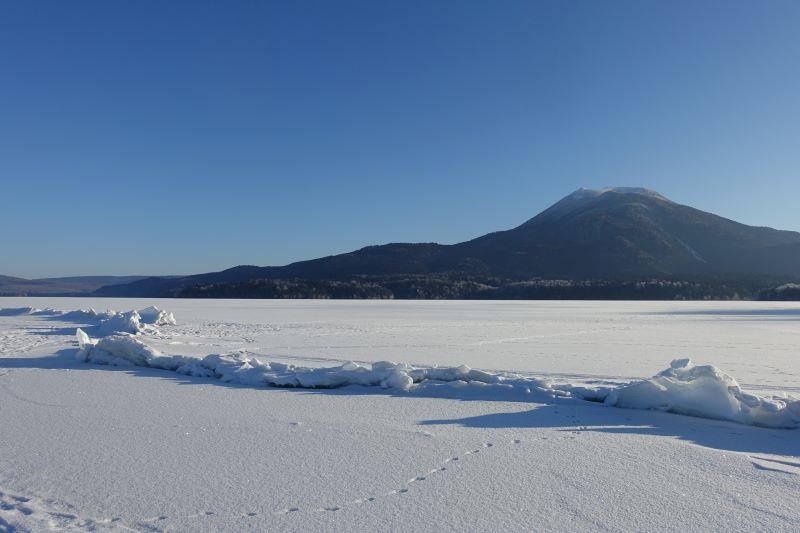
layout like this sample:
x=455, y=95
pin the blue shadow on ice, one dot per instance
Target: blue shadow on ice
x=785, y=313
x=567, y=415
x=576, y=416
x=62, y=359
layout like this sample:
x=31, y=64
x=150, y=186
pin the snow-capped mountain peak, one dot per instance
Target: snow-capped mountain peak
x=585, y=194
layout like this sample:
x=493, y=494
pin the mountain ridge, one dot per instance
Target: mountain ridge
x=61, y=286
x=615, y=233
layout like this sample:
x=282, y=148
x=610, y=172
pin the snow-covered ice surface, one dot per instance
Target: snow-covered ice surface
x=182, y=432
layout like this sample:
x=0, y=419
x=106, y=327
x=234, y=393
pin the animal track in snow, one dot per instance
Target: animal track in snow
x=404, y=489
x=32, y=509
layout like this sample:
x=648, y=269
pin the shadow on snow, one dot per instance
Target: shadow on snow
x=560, y=414
x=783, y=313
x=576, y=415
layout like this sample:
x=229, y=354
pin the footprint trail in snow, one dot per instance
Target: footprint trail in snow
x=404, y=488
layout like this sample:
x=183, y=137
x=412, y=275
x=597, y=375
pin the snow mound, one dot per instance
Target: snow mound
x=18, y=311
x=124, y=350
x=247, y=370
x=705, y=391
x=144, y=321
x=683, y=388
x=105, y=323
x=87, y=315
x=241, y=368
x=156, y=317
x=35, y=311
x=129, y=322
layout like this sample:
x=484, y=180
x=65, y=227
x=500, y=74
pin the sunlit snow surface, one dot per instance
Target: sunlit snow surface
x=478, y=423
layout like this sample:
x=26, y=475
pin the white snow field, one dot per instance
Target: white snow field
x=259, y=415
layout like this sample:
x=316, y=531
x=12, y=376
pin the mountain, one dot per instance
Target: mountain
x=69, y=286
x=613, y=234
x=624, y=232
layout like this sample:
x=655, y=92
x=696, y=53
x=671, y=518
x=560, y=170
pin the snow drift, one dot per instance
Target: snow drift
x=241, y=368
x=124, y=349
x=113, y=338
x=145, y=320
x=705, y=391
x=683, y=388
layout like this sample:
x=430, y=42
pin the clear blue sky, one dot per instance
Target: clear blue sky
x=153, y=137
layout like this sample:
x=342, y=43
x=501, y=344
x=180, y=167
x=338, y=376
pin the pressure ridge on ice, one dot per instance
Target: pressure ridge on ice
x=683, y=388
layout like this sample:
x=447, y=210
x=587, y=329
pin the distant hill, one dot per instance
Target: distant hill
x=617, y=236
x=70, y=286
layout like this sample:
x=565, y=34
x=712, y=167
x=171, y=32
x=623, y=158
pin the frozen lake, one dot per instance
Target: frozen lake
x=754, y=341
x=98, y=447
